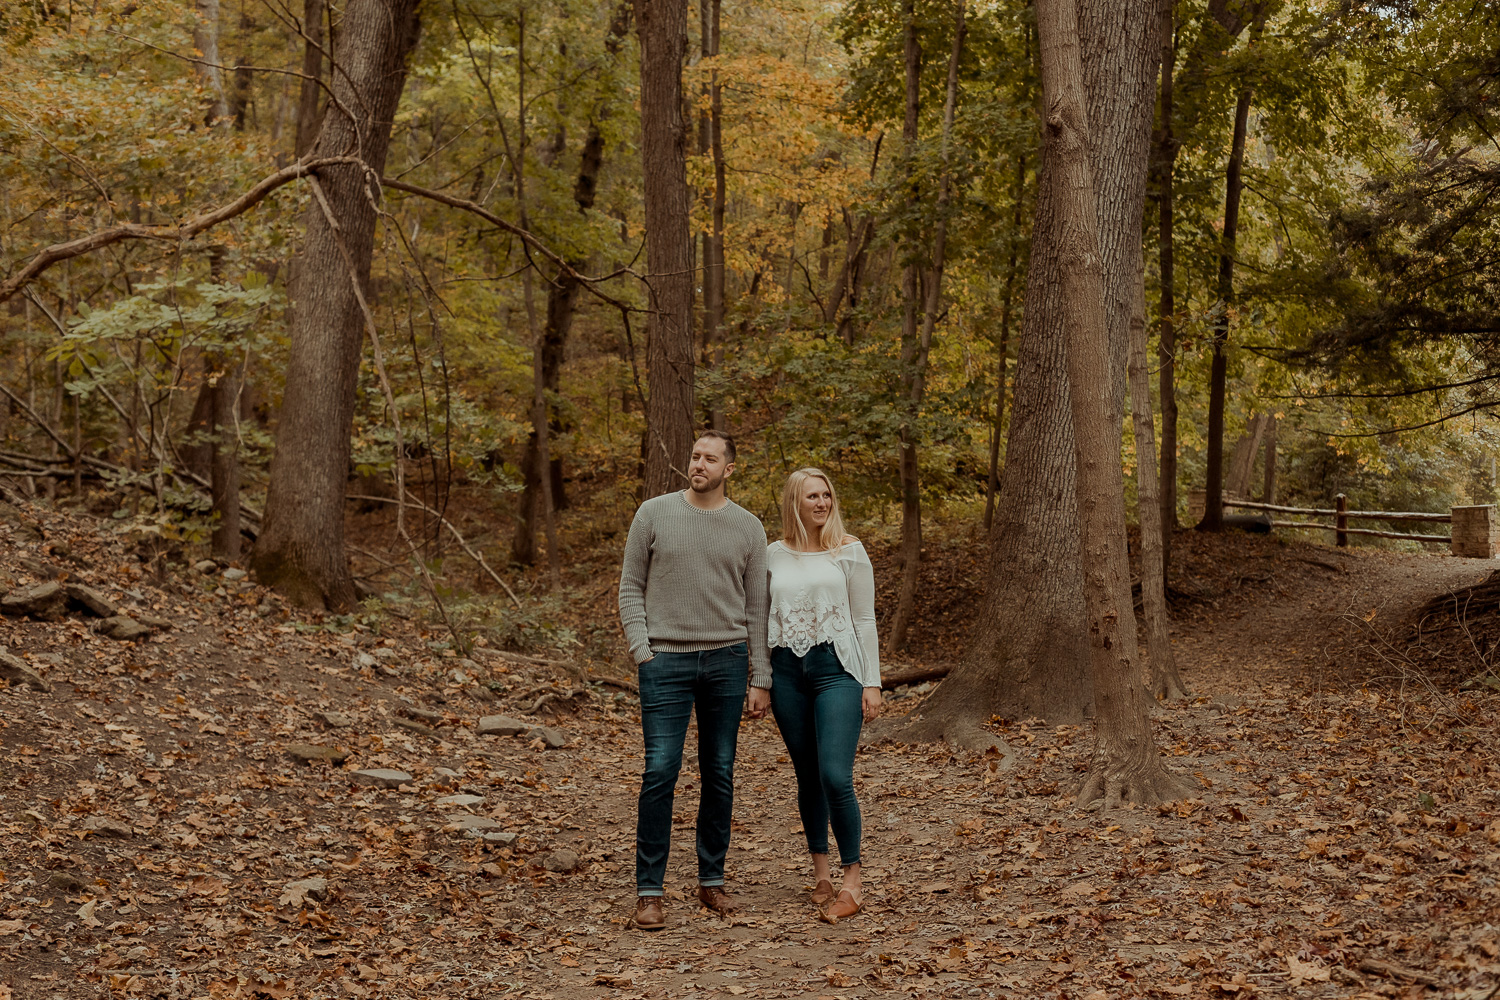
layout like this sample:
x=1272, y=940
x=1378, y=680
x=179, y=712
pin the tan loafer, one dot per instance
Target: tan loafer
x=843, y=905
x=649, y=915
x=822, y=893
x=715, y=898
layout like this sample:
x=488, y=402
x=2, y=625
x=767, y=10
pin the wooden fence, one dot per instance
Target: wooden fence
x=1475, y=530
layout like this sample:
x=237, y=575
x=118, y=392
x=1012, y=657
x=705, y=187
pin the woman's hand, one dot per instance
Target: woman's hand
x=756, y=704
x=872, y=702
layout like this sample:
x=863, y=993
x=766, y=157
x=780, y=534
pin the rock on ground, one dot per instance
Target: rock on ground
x=46, y=602
x=16, y=671
x=123, y=628
x=382, y=777
x=503, y=725
x=309, y=752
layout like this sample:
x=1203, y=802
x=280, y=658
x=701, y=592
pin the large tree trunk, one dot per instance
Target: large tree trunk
x=1126, y=766
x=301, y=548
x=662, y=26
x=310, y=93
x=1028, y=656
x=1213, y=504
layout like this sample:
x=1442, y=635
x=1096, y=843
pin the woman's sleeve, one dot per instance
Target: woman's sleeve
x=861, y=581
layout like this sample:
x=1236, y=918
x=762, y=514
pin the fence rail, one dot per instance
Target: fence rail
x=1341, y=515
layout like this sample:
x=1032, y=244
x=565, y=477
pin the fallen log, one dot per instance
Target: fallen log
x=1392, y=971
x=915, y=675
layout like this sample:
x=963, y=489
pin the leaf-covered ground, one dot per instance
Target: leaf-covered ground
x=157, y=839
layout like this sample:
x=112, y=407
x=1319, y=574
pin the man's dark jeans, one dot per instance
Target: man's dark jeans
x=672, y=685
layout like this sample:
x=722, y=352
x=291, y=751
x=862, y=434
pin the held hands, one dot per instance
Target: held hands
x=756, y=704
x=872, y=703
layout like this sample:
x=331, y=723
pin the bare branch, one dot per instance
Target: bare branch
x=172, y=234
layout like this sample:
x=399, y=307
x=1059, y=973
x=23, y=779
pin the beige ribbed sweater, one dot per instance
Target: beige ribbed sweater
x=695, y=579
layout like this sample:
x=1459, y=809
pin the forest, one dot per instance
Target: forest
x=342, y=340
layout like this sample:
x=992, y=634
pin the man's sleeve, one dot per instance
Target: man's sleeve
x=633, y=587
x=757, y=608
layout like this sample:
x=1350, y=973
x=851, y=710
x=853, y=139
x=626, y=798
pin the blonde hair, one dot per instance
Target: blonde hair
x=792, y=528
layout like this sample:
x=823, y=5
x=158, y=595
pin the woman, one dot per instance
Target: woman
x=825, y=672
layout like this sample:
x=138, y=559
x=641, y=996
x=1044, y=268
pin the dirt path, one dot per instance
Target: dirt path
x=154, y=830
x=1278, y=612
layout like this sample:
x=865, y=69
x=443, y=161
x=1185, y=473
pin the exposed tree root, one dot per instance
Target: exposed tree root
x=1167, y=686
x=959, y=733
x=1115, y=785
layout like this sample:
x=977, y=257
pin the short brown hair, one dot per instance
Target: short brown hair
x=729, y=450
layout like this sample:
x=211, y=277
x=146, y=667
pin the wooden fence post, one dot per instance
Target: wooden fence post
x=1340, y=521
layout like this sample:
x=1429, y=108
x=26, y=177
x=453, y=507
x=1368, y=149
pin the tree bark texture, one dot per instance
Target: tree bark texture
x=1163, y=679
x=662, y=26
x=206, y=41
x=1242, y=459
x=992, y=483
x=1029, y=653
x=1165, y=155
x=1125, y=765
x=225, y=471
x=310, y=93
x=711, y=144
x=1268, y=492
x=1213, y=509
x=301, y=548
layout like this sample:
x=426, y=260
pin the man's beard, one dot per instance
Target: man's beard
x=709, y=485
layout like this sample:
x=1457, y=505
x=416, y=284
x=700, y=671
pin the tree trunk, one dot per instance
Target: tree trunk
x=850, y=281
x=1164, y=681
x=1125, y=766
x=225, y=473
x=662, y=25
x=310, y=93
x=1242, y=460
x=239, y=100
x=562, y=301
x=198, y=455
x=206, y=41
x=1269, y=491
x=711, y=143
x=541, y=429
x=917, y=291
x=1213, y=505
x=1166, y=347
x=992, y=484
x=1028, y=655
x=301, y=548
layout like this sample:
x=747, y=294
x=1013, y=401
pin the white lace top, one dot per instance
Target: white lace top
x=826, y=597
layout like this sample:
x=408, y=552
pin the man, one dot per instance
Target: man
x=693, y=601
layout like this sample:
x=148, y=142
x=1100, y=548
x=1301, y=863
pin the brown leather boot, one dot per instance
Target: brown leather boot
x=648, y=913
x=715, y=898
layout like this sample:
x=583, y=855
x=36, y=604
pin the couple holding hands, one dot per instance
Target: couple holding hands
x=707, y=606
